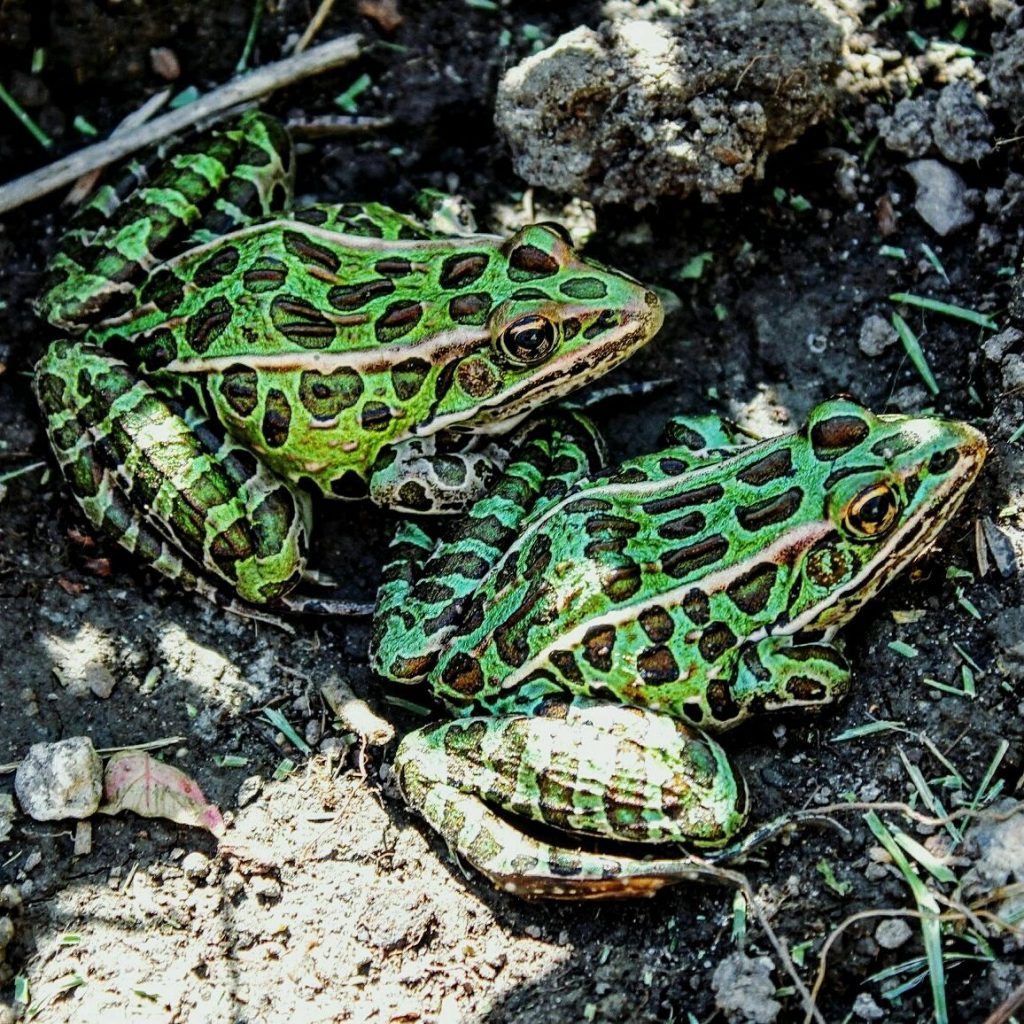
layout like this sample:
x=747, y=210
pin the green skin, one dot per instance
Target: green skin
x=234, y=358
x=588, y=630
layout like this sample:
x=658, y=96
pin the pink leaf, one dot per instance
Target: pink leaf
x=134, y=781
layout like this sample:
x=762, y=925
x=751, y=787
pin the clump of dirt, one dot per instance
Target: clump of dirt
x=639, y=109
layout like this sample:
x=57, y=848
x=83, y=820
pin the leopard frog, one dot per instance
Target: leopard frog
x=233, y=358
x=588, y=631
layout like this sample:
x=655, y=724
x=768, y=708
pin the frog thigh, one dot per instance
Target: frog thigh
x=219, y=181
x=586, y=768
x=168, y=484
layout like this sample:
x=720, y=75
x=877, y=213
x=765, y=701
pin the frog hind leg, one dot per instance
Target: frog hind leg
x=776, y=674
x=427, y=586
x=220, y=181
x=165, y=482
x=600, y=770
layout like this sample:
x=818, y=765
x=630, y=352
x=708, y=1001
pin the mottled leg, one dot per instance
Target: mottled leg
x=597, y=770
x=163, y=482
x=427, y=587
x=218, y=181
x=415, y=477
x=778, y=675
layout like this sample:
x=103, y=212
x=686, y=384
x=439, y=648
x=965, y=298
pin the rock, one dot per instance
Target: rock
x=195, y=866
x=941, y=196
x=893, y=933
x=865, y=1008
x=744, y=988
x=83, y=839
x=876, y=335
x=998, y=851
x=639, y=109
x=961, y=129
x=250, y=788
x=7, y=813
x=81, y=662
x=1006, y=70
x=909, y=128
x=60, y=780
x=10, y=898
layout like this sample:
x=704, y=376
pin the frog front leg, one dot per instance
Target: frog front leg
x=583, y=767
x=773, y=674
x=426, y=593
x=417, y=476
x=166, y=483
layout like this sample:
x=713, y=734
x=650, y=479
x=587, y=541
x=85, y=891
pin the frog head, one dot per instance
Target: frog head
x=548, y=322
x=881, y=488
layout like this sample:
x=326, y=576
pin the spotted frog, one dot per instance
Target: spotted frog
x=232, y=358
x=588, y=630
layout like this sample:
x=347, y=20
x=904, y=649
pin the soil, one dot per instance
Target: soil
x=327, y=900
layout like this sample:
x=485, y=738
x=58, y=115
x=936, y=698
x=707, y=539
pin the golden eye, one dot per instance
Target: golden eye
x=528, y=340
x=873, y=512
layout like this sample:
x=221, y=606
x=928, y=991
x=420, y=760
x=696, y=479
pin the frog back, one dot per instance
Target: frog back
x=650, y=583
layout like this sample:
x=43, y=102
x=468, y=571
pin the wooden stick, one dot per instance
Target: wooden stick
x=333, y=54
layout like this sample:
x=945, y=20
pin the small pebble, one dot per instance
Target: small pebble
x=941, y=196
x=196, y=866
x=865, y=1008
x=83, y=839
x=876, y=335
x=893, y=933
x=60, y=780
x=249, y=790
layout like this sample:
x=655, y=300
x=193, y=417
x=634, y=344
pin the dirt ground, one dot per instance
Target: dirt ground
x=326, y=900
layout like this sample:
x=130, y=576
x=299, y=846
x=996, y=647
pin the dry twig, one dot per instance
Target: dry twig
x=334, y=54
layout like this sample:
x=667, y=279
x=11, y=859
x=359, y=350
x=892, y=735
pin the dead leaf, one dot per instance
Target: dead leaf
x=134, y=781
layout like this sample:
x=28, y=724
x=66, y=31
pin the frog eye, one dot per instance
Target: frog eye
x=873, y=512
x=528, y=340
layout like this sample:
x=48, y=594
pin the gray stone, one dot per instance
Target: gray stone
x=876, y=335
x=250, y=788
x=941, y=196
x=961, y=128
x=893, y=933
x=865, y=1008
x=744, y=988
x=60, y=780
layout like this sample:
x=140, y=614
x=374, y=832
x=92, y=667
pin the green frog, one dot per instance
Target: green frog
x=234, y=358
x=588, y=629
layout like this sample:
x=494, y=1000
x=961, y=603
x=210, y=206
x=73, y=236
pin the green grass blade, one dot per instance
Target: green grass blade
x=915, y=352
